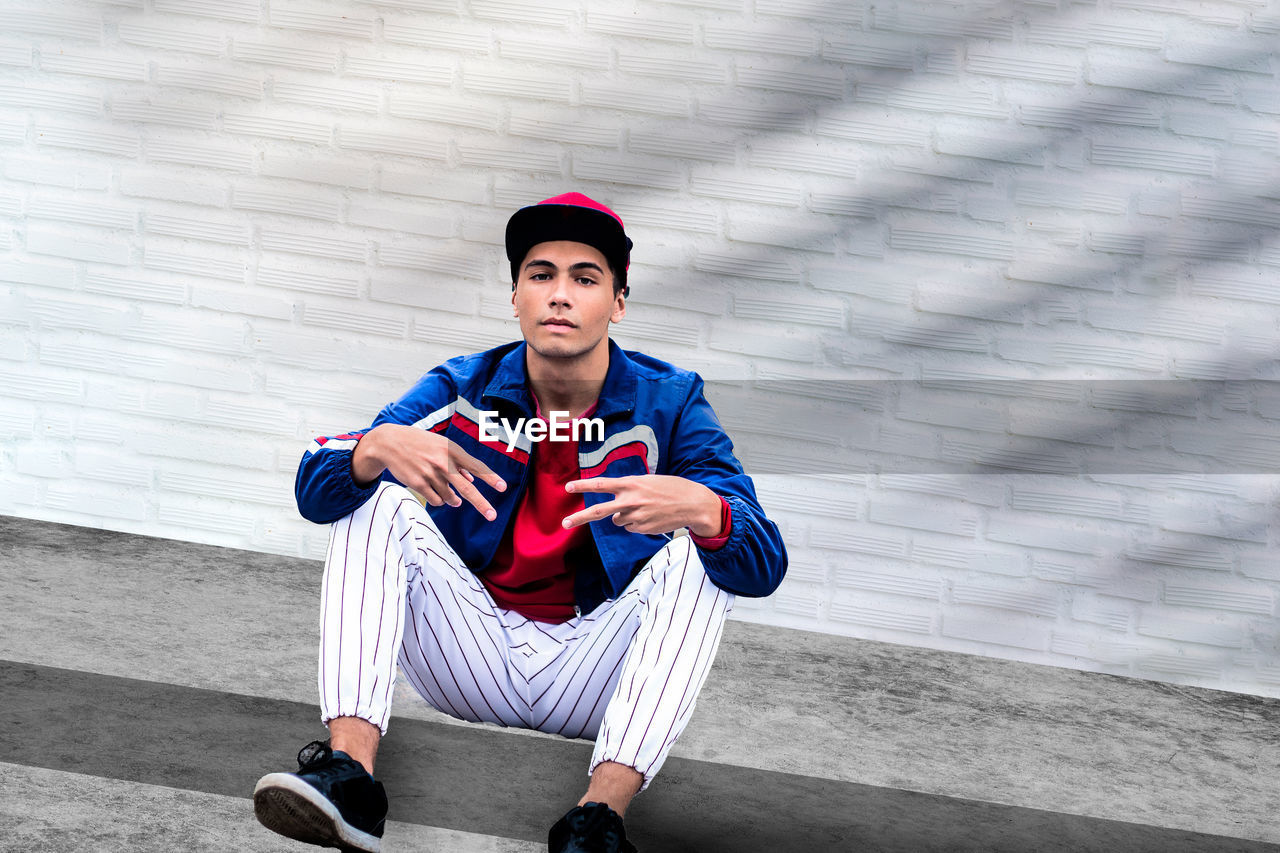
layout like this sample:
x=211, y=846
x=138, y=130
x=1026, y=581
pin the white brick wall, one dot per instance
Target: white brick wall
x=987, y=293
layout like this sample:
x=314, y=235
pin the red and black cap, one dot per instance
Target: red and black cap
x=571, y=216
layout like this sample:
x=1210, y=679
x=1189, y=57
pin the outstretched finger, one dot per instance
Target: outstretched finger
x=470, y=464
x=468, y=492
x=434, y=484
x=612, y=485
x=428, y=495
x=591, y=513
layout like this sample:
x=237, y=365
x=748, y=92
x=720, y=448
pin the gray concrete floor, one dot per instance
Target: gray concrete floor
x=51, y=811
x=859, y=722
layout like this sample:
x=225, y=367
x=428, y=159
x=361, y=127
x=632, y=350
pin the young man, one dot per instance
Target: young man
x=540, y=585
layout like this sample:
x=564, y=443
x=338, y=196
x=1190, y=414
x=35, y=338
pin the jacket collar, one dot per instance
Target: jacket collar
x=618, y=396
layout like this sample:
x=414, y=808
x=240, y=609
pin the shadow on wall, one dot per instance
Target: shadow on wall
x=970, y=420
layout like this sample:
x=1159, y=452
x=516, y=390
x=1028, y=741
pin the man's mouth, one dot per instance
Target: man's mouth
x=557, y=321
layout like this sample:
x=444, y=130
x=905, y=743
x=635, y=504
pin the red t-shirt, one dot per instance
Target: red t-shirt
x=534, y=568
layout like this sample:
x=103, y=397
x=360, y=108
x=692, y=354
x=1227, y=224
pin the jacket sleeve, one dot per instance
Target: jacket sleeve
x=324, y=487
x=754, y=559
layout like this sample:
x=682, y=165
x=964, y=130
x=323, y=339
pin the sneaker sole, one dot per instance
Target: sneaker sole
x=286, y=804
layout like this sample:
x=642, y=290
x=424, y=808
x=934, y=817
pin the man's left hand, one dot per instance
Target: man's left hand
x=650, y=503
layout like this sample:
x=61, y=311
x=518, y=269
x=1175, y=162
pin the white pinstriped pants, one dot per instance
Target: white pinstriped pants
x=627, y=674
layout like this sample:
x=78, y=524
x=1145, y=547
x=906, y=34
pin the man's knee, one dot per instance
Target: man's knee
x=678, y=570
x=681, y=557
x=678, y=552
x=392, y=497
x=389, y=502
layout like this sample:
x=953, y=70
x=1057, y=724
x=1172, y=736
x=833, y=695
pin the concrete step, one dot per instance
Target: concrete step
x=55, y=811
x=131, y=660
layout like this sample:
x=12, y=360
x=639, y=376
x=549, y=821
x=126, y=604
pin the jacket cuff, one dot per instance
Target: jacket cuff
x=345, y=488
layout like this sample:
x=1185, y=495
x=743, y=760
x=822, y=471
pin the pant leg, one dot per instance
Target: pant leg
x=394, y=590
x=633, y=681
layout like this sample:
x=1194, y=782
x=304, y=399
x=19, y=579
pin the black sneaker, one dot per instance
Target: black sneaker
x=330, y=801
x=592, y=828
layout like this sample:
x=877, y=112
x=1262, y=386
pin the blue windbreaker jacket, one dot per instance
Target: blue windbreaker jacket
x=657, y=421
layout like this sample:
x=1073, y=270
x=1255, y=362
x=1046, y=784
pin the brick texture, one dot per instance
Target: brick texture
x=989, y=297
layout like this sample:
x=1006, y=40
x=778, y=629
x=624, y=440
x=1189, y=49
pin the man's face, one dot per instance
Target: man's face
x=564, y=299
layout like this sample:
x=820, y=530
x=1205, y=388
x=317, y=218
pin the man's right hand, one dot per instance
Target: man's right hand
x=426, y=462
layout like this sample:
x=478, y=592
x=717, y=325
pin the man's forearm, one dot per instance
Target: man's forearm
x=366, y=464
x=707, y=523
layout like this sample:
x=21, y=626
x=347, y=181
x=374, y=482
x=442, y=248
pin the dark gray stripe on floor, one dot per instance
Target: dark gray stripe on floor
x=479, y=780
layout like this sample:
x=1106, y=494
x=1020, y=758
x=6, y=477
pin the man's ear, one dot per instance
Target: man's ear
x=515, y=312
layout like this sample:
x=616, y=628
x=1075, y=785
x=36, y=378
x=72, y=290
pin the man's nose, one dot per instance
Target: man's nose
x=560, y=292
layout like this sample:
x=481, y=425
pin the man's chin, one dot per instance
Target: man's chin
x=560, y=353
x=557, y=349
x=560, y=349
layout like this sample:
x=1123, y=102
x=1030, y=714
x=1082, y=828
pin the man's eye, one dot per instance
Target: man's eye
x=586, y=280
